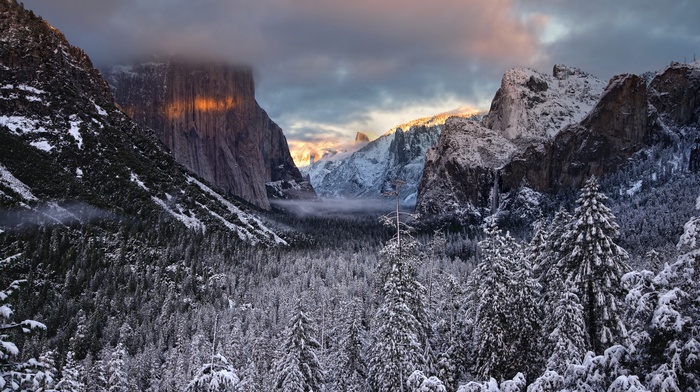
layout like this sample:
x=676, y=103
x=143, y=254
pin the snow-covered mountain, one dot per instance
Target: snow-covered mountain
x=368, y=172
x=545, y=135
x=68, y=154
x=531, y=106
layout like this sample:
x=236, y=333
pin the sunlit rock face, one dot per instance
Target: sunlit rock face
x=206, y=114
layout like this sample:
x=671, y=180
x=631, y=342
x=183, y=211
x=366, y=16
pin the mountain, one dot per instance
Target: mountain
x=207, y=116
x=69, y=155
x=361, y=138
x=545, y=135
x=368, y=172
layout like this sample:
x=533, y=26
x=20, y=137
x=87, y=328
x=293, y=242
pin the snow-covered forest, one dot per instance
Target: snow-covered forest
x=602, y=296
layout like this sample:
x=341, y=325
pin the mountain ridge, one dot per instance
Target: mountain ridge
x=65, y=143
x=625, y=120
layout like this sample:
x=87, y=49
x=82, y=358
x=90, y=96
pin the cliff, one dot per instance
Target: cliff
x=69, y=156
x=206, y=114
x=520, y=146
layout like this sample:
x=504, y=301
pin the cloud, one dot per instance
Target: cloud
x=338, y=65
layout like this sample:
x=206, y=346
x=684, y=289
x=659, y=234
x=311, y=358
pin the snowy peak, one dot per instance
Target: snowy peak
x=368, y=172
x=549, y=134
x=532, y=106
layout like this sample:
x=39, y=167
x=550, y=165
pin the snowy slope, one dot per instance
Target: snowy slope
x=367, y=173
x=531, y=106
x=63, y=142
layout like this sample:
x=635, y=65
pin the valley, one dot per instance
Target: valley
x=156, y=234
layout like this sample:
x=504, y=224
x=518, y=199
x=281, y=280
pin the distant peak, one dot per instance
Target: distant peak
x=561, y=71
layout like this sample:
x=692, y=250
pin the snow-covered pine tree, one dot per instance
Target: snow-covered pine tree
x=13, y=375
x=502, y=302
x=216, y=376
x=401, y=323
x=397, y=349
x=352, y=371
x=567, y=342
x=670, y=346
x=594, y=264
x=298, y=368
x=117, y=374
x=70, y=375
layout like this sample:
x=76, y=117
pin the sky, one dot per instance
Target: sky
x=326, y=69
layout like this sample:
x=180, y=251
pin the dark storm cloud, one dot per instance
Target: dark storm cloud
x=610, y=37
x=323, y=66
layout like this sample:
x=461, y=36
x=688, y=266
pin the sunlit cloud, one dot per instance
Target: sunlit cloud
x=348, y=66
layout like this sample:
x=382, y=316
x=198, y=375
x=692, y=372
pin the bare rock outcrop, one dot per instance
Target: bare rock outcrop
x=206, y=114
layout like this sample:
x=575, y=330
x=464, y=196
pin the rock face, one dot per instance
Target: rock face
x=368, y=172
x=516, y=151
x=68, y=154
x=206, y=114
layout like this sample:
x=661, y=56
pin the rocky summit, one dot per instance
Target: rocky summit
x=207, y=115
x=548, y=134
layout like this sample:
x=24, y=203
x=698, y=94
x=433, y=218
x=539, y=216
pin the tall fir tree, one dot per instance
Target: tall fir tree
x=568, y=341
x=298, y=368
x=401, y=323
x=502, y=302
x=352, y=371
x=594, y=264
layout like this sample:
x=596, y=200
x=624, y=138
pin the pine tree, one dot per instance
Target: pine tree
x=567, y=342
x=502, y=302
x=352, y=373
x=14, y=375
x=70, y=376
x=298, y=369
x=397, y=350
x=594, y=264
x=117, y=375
x=216, y=376
x=401, y=322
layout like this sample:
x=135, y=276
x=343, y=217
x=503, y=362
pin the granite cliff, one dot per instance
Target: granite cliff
x=207, y=115
x=548, y=134
x=69, y=157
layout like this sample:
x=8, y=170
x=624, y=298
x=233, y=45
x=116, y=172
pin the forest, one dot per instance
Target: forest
x=598, y=294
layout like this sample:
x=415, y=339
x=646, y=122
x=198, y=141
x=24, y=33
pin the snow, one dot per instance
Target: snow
x=242, y=216
x=135, y=178
x=20, y=125
x=634, y=189
x=10, y=348
x=190, y=222
x=24, y=87
x=8, y=260
x=75, y=130
x=32, y=325
x=100, y=111
x=537, y=106
x=42, y=144
x=7, y=179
